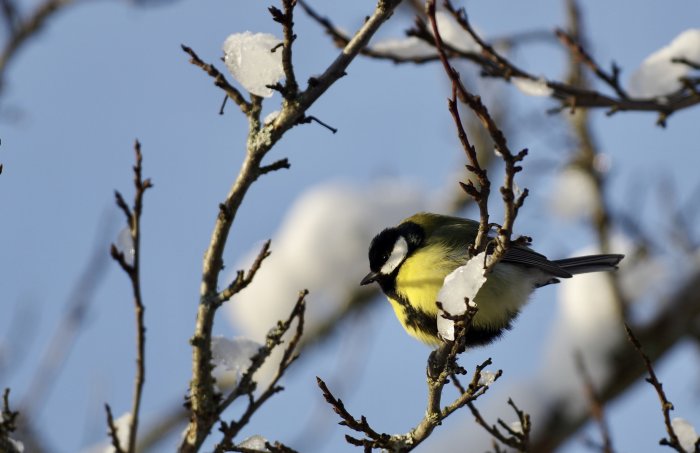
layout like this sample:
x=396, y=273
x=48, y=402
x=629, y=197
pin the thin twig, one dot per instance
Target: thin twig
x=517, y=439
x=574, y=97
x=493, y=64
x=132, y=269
x=286, y=18
x=8, y=425
x=112, y=431
x=511, y=201
x=360, y=425
x=441, y=366
x=219, y=80
x=242, y=279
x=580, y=54
x=340, y=39
x=276, y=165
x=679, y=315
x=481, y=194
x=24, y=29
x=261, y=138
x=433, y=417
x=247, y=386
x=666, y=405
x=7, y=421
x=309, y=118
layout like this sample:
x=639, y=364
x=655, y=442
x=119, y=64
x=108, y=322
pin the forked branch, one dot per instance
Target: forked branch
x=442, y=366
x=131, y=267
x=511, y=201
x=261, y=138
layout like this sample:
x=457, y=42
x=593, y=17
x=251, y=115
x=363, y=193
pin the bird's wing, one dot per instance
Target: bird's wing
x=528, y=257
x=459, y=234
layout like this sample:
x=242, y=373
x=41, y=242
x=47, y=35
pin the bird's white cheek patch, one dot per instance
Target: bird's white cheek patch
x=398, y=254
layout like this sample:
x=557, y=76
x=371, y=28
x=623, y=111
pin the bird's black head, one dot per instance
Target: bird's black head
x=390, y=248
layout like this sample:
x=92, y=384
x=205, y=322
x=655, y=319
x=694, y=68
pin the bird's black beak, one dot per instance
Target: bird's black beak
x=369, y=278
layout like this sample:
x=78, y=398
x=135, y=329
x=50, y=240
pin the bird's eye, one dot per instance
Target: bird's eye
x=385, y=257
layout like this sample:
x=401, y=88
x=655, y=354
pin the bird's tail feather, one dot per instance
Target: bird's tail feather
x=590, y=263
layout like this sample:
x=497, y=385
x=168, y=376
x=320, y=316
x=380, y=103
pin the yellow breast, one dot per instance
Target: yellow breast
x=421, y=276
x=419, y=280
x=412, y=329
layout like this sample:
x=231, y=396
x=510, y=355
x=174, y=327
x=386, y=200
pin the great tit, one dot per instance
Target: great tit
x=410, y=262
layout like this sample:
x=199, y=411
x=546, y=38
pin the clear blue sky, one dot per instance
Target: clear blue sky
x=104, y=73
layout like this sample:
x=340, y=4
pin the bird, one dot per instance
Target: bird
x=411, y=260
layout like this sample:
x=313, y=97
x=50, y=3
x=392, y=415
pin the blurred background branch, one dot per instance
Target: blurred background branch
x=22, y=27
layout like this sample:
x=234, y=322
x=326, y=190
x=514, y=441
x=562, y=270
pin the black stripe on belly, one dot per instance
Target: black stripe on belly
x=418, y=319
x=427, y=323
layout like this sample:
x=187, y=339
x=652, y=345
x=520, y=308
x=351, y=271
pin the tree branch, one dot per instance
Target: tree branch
x=518, y=439
x=442, y=365
x=679, y=315
x=112, y=431
x=132, y=269
x=493, y=64
x=575, y=46
x=511, y=202
x=247, y=386
x=24, y=29
x=261, y=138
x=219, y=80
x=8, y=425
x=666, y=405
x=286, y=18
x=242, y=280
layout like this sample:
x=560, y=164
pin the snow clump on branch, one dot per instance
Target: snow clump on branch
x=255, y=61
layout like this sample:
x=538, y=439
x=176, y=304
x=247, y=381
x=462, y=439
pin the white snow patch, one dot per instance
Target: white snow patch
x=658, y=75
x=270, y=117
x=231, y=358
x=453, y=34
x=17, y=445
x=532, y=87
x=463, y=282
x=487, y=378
x=406, y=48
x=125, y=244
x=686, y=433
x=517, y=427
x=122, y=426
x=255, y=442
x=413, y=47
x=249, y=58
